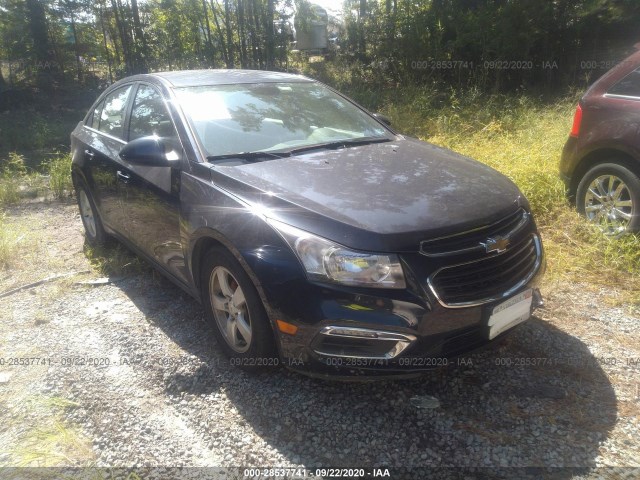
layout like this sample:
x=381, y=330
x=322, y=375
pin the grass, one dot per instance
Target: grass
x=11, y=237
x=9, y=191
x=43, y=122
x=114, y=260
x=59, y=170
x=36, y=131
x=11, y=169
x=51, y=179
x=52, y=441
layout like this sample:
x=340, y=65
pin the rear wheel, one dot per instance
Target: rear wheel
x=609, y=196
x=233, y=305
x=94, y=233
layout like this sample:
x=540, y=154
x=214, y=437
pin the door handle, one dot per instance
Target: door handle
x=89, y=153
x=123, y=176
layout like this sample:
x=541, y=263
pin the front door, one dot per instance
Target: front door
x=152, y=194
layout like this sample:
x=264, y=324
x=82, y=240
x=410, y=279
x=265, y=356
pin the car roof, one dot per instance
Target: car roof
x=192, y=78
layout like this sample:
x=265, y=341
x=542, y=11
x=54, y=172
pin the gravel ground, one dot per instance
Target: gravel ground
x=132, y=377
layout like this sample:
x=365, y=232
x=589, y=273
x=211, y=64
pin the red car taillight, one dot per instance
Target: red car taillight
x=577, y=120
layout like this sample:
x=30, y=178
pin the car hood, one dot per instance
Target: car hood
x=379, y=197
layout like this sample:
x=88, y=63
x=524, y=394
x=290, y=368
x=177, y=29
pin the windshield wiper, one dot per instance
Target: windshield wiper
x=347, y=142
x=261, y=155
x=249, y=156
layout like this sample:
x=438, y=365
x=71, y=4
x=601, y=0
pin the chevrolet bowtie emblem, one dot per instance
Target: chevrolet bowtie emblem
x=496, y=244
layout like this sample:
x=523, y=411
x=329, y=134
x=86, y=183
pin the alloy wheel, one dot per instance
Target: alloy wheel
x=87, y=213
x=230, y=309
x=608, y=204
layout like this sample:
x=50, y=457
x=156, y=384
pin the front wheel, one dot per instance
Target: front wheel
x=609, y=196
x=240, y=322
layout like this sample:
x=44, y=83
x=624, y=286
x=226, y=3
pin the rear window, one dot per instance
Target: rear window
x=629, y=86
x=94, y=119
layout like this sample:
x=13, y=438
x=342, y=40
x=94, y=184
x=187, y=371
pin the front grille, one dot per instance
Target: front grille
x=469, y=241
x=490, y=278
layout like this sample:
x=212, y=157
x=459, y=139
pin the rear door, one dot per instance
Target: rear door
x=104, y=137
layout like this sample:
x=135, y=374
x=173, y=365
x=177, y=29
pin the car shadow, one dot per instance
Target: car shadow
x=539, y=399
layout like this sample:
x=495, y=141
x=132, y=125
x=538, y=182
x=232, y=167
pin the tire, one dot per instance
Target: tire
x=93, y=230
x=241, y=325
x=609, y=195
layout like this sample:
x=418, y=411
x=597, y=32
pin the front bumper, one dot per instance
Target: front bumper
x=372, y=336
x=453, y=285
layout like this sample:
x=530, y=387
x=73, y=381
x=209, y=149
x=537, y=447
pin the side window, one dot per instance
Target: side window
x=94, y=121
x=113, y=112
x=629, y=86
x=149, y=115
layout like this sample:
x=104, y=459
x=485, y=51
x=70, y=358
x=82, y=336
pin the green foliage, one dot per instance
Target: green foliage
x=59, y=170
x=14, y=165
x=10, y=237
x=537, y=43
x=26, y=129
x=496, y=45
x=9, y=192
x=51, y=441
x=18, y=181
x=114, y=260
x=12, y=170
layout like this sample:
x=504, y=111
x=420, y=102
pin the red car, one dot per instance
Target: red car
x=601, y=159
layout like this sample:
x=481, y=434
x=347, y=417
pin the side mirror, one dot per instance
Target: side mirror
x=383, y=118
x=150, y=151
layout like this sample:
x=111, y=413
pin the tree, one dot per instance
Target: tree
x=270, y=34
x=42, y=51
x=141, y=49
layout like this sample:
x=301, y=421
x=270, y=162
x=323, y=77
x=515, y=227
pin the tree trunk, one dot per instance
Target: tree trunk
x=257, y=47
x=227, y=22
x=225, y=52
x=389, y=26
x=41, y=46
x=106, y=46
x=116, y=49
x=140, y=44
x=252, y=35
x=124, y=39
x=243, y=36
x=270, y=35
x=210, y=49
x=75, y=43
x=362, y=43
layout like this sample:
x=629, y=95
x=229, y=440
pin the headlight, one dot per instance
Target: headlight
x=328, y=261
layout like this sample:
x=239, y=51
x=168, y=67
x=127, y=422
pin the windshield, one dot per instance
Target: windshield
x=274, y=117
